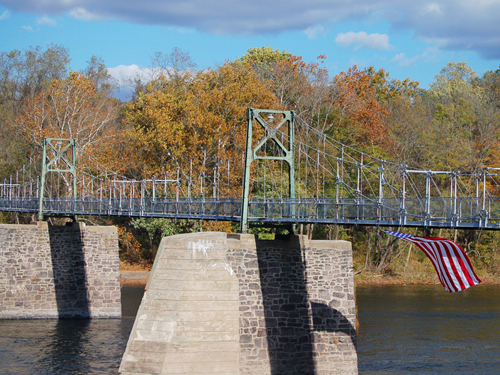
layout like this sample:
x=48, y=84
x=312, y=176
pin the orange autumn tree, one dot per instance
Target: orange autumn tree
x=297, y=85
x=71, y=107
x=358, y=113
x=199, y=128
x=406, y=117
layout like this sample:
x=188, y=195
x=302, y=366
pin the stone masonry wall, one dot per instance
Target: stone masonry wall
x=229, y=304
x=297, y=307
x=59, y=271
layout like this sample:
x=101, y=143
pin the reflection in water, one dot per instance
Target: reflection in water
x=65, y=347
x=68, y=346
x=425, y=330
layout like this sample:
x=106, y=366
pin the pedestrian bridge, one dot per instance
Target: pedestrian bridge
x=289, y=173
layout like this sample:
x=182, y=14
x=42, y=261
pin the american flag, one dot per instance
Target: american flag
x=449, y=259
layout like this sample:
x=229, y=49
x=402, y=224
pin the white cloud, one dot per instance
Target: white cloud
x=433, y=8
x=363, y=40
x=312, y=32
x=27, y=28
x=4, y=15
x=213, y=16
x=126, y=77
x=125, y=74
x=46, y=21
x=461, y=24
x=457, y=25
x=401, y=59
x=82, y=14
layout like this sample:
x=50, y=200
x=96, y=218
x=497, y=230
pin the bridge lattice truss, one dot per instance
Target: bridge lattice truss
x=296, y=174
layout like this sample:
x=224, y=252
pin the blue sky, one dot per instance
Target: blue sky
x=407, y=39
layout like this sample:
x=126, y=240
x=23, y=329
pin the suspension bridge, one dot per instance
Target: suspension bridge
x=287, y=173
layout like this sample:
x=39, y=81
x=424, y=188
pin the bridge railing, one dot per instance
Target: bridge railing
x=15, y=204
x=436, y=212
x=195, y=208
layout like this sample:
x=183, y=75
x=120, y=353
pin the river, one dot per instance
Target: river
x=68, y=346
x=426, y=330
x=403, y=330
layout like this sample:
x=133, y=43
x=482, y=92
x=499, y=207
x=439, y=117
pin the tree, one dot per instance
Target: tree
x=387, y=89
x=157, y=228
x=357, y=116
x=173, y=70
x=408, y=123
x=202, y=125
x=491, y=84
x=173, y=66
x=264, y=58
x=465, y=124
x=406, y=116
x=23, y=76
x=97, y=72
x=297, y=85
x=69, y=108
x=453, y=74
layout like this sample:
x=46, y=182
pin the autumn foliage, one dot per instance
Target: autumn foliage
x=191, y=121
x=195, y=126
x=69, y=108
x=359, y=107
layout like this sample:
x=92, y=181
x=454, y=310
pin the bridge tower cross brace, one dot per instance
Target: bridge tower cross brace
x=270, y=133
x=59, y=155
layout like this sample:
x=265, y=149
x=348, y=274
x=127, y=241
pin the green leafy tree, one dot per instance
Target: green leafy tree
x=465, y=126
x=491, y=84
x=157, y=228
x=263, y=58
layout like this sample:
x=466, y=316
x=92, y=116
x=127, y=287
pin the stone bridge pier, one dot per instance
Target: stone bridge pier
x=224, y=304
x=59, y=271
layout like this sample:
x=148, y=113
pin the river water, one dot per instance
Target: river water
x=68, y=346
x=426, y=330
x=403, y=330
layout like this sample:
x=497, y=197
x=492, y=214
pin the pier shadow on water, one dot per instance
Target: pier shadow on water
x=66, y=351
x=292, y=320
x=68, y=268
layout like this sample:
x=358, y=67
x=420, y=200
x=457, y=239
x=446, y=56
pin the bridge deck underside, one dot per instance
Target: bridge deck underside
x=467, y=213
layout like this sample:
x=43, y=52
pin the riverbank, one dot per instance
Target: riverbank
x=414, y=279
x=140, y=277
x=134, y=277
x=134, y=274
x=137, y=274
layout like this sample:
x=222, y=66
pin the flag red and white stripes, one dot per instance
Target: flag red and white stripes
x=449, y=259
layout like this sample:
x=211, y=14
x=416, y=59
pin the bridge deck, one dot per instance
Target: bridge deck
x=463, y=213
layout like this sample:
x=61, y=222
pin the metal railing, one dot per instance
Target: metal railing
x=419, y=212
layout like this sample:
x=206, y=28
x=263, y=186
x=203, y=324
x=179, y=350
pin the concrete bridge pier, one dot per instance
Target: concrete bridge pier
x=230, y=304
